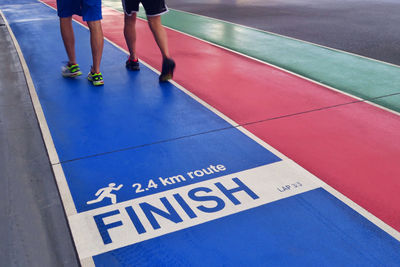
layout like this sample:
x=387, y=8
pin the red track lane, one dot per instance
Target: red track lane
x=244, y=89
x=354, y=148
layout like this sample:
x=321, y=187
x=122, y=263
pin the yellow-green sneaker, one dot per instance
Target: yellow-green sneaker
x=71, y=70
x=96, y=78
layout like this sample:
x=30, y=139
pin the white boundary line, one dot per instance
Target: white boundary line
x=288, y=71
x=53, y=156
x=51, y=150
x=382, y=107
x=59, y=175
x=385, y=227
x=280, y=68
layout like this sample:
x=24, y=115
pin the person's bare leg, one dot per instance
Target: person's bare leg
x=130, y=34
x=96, y=43
x=160, y=35
x=67, y=34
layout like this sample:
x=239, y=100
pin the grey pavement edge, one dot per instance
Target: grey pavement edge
x=33, y=225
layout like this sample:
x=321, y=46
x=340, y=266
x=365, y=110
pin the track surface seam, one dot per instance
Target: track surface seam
x=225, y=128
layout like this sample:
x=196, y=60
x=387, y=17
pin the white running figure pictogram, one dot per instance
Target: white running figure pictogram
x=106, y=192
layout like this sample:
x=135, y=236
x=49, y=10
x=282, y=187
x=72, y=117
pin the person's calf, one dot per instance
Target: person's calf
x=160, y=35
x=96, y=42
x=68, y=37
x=130, y=35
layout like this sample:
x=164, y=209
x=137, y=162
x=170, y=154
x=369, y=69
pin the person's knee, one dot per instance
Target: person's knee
x=154, y=22
x=94, y=25
x=131, y=19
x=66, y=20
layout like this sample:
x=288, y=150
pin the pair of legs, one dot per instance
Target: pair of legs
x=96, y=41
x=156, y=28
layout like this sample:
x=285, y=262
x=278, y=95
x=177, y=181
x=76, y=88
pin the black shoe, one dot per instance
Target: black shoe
x=132, y=64
x=167, y=71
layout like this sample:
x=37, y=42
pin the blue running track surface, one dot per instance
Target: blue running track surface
x=156, y=178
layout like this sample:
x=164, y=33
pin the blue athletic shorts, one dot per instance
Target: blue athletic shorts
x=90, y=10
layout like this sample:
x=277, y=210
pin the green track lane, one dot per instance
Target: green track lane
x=358, y=76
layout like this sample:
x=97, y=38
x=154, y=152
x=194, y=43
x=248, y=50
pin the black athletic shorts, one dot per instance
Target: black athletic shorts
x=152, y=7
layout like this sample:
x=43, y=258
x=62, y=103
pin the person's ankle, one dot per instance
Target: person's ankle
x=134, y=58
x=93, y=71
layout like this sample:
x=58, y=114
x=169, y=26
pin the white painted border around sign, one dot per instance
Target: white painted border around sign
x=265, y=181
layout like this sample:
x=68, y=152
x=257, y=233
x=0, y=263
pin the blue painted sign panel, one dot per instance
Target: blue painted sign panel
x=165, y=166
x=283, y=233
